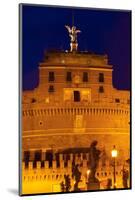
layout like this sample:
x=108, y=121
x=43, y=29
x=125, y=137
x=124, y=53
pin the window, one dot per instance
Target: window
x=76, y=96
x=40, y=122
x=69, y=77
x=101, y=77
x=101, y=89
x=117, y=100
x=51, y=76
x=85, y=77
x=51, y=88
x=33, y=100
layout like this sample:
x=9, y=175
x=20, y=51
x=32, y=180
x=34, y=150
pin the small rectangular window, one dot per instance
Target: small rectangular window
x=51, y=76
x=85, y=77
x=101, y=89
x=51, y=88
x=76, y=96
x=117, y=100
x=69, y=77
x=33, y=100
x=101, y=77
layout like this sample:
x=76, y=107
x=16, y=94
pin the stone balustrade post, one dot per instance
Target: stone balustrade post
x=53, y=156
x=84, y=163
x=23, y=165
x=38, y=164
x=87, y=156
x=54, y=164
x=71, y=157
x=46, y=164
x=81, y=157
x=69, y=164
x=61, y=157
x=30, y=165
x=62, y=164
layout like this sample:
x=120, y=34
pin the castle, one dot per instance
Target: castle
x=74, y=104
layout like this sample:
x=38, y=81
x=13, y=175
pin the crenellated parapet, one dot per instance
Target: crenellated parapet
x=42, y=171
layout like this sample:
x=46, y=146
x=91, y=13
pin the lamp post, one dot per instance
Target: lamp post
x=88, y=174
x=114, y=155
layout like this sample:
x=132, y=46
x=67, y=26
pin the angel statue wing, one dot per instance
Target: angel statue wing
x=68, y=28
x=78, y=31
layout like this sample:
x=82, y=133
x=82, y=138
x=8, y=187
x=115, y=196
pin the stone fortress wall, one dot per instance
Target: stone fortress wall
x=43, y=176
x=60, y=114
x=66, y=127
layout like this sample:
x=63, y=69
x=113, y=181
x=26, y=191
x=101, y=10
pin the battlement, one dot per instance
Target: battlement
x=45, y=165
x=41, y=172
x=64, y=161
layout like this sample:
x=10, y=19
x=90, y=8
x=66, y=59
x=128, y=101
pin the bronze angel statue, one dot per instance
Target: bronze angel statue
x=73, y=33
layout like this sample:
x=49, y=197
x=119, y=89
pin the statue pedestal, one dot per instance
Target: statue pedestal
x=73, y=46
x=93, y=184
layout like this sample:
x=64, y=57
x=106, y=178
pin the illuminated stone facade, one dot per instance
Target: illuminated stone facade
x=75, y=103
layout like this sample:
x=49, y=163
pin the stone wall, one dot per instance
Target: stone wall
x=39, y=177
x=66, y=127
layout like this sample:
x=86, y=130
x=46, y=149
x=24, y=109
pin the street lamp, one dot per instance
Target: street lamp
x=87, y=176
x=88, y=172
x=114, y=156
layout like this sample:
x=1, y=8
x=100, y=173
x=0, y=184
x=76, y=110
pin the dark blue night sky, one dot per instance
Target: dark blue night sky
x=103, y=32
